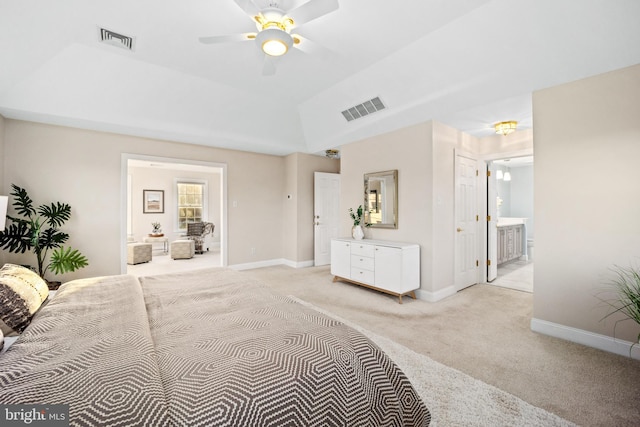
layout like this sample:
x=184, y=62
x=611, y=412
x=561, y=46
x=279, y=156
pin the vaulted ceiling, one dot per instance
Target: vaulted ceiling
x=467, y=63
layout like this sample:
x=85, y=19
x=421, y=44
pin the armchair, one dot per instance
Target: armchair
x=197, y=231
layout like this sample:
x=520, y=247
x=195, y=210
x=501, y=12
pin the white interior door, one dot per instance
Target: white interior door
x=326, y=217
x=466, y=211
x=492, y=228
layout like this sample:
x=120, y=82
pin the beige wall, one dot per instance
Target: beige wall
x=290, y=208
x=410, y=151
x=83, y=168
x=587, y=204
x=517, y=144
x=298, y=224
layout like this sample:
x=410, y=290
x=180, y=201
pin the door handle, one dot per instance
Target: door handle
x=459, y=229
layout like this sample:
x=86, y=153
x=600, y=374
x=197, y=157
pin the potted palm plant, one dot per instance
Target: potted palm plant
x=38, y=230
x=626, y=285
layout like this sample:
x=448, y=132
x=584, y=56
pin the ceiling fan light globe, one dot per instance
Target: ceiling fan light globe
x=274, y=42
x=274, y=47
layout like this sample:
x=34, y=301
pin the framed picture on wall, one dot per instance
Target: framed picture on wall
x=152, y=201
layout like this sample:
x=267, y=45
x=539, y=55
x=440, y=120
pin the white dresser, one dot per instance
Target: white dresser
x=389, y=267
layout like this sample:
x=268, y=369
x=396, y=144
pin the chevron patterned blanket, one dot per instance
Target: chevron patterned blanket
x=204, y=348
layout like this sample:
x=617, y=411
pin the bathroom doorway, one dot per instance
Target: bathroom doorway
x=510, y=242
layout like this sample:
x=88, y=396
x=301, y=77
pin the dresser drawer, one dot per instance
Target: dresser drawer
x=391, y=267
x=362, y=262
x=362, y=249
x=364, y=276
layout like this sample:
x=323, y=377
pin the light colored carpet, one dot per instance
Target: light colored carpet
x=454, y=398
x=483, y=331
x=162, y=263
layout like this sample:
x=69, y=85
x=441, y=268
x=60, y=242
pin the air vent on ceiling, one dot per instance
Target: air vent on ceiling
x=364, y=109
x=115, y=39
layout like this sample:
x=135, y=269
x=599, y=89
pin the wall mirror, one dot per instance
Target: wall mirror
x=381, y=199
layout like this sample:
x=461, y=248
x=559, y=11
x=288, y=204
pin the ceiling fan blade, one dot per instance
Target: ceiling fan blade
x=311, y=10
x=228, y=38
x=269, y=65
x=248, y=6
x=312, y=48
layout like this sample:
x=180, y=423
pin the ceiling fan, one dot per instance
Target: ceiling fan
x=275, y=25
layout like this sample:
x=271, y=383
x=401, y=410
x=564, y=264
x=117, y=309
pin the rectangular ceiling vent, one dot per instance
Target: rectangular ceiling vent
x=115, y=39
x=364, y=109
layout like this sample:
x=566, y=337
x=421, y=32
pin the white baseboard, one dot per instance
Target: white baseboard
x=590, y=339
x=435, y=296
x=302, y=264
x=270, y=263
x=258, y=264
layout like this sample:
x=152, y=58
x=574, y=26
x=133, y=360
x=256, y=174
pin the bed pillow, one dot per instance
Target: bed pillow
x=22, y=292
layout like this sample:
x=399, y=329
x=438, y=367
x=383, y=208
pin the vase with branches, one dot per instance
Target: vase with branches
x=357, y=232
x=156, y=229
x=38, y=230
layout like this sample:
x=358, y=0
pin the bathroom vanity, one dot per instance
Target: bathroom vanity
x=512, y=239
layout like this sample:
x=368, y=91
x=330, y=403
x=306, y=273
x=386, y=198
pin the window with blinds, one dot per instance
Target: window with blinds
x=191, y=202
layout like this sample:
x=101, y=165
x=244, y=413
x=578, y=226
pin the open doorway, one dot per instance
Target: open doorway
x=162, y=178
x=510, y=242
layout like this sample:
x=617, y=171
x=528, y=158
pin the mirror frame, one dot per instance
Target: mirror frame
x=367, y=217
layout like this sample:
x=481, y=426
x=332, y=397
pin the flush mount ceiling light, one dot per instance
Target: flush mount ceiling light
x=332, y=154
x=505, y=128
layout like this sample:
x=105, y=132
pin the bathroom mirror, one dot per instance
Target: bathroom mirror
x=381, y=199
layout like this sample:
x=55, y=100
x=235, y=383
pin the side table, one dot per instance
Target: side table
x=163, y=240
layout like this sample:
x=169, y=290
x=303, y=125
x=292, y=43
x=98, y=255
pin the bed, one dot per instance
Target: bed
x=203, y=348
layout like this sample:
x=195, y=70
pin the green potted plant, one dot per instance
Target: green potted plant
x=626, y=285
x=357, y=232
x=38, y=230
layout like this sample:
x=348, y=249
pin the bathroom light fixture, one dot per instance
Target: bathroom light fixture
x=507, y=176
x=505, y=128
x=499, y=174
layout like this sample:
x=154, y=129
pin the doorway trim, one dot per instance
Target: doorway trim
x=124, y=204
x=484, y=235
